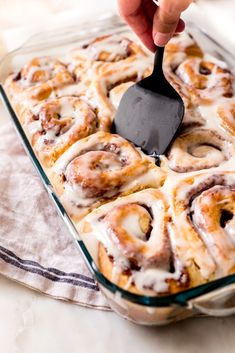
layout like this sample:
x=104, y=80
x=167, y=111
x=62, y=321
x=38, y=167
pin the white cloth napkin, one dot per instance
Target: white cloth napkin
x=35, y=246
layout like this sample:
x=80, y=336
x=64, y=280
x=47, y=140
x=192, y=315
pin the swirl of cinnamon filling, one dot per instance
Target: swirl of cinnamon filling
x=55, y=125
x=199, y=149
x=226, y=116
x=205, y=80
x=37, y=79
x=204, y=212
x=99, y=167
x=135, y=250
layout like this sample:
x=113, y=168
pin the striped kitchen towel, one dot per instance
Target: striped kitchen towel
x=35, y=246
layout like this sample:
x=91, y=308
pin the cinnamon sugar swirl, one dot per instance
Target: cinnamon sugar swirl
x=206, y=80
x=98, y=168
x=55, y=125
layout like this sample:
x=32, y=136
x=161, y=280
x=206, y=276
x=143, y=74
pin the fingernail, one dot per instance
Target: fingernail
x=162, y=39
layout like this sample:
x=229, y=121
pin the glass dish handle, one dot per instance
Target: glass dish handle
x=217, y=303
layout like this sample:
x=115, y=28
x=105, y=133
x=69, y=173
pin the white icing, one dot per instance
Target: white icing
x=34, y=127
x=44, y=64
x=153, y=278
x=115, y=95
x=113, y=45
x=183, y=40
x=131, y=225
x=76, y=90
x=213, y=59
x=214, y=88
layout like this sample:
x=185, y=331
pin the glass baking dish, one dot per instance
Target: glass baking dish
x=216, y=298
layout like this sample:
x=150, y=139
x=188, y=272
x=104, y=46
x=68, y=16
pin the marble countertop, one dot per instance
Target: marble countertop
x=31, y=322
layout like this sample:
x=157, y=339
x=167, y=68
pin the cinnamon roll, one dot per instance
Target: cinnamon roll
x=134, y=247
x=98, y=168
x=199, y=149
x=111, y=64
x=112, y=78
x=37, y=80
x=205, y=80
x=104, y=49
x=204, y=216
x=226, y=115
x=53, y=126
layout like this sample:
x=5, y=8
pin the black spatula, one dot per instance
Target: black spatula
x=150, y=112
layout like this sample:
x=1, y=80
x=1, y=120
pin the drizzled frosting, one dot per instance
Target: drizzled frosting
x=205, y=79
x=53, y=126
x=107, y=48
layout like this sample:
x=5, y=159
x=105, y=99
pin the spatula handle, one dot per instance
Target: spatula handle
x=158, y=60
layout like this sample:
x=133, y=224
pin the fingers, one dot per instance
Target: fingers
x=151, y=22
x=167, y=20
x=137, y=13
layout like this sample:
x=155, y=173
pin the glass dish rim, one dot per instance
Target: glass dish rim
x=181, y=298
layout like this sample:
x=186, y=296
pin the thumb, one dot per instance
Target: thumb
x=167, y=19
x=164, y=26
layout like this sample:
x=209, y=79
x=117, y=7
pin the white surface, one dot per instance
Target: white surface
x=217, y=18
x=32, y=323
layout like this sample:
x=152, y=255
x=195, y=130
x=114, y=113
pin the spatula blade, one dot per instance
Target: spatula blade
x=149, y=119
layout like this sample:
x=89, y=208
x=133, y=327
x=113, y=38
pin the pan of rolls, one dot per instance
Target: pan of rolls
x=160, y=232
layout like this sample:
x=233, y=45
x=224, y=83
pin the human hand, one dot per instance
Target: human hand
x=154, y=25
